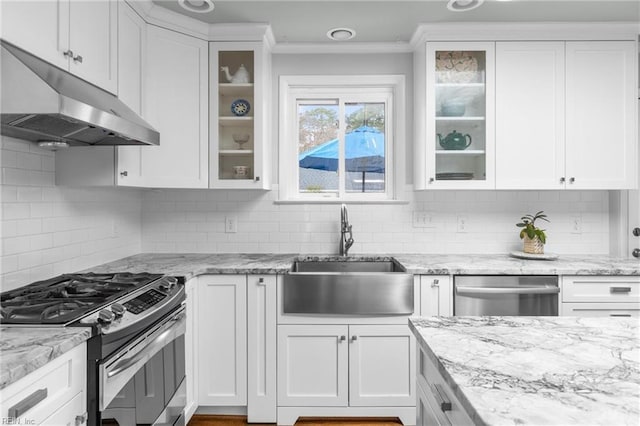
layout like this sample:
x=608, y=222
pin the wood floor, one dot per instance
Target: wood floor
x=202, y=420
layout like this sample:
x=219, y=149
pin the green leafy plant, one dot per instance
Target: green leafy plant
x=529, y=227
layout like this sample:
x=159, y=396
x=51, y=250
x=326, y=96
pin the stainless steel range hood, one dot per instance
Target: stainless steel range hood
x=41, y=102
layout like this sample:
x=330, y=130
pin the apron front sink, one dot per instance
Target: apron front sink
x=348, y=286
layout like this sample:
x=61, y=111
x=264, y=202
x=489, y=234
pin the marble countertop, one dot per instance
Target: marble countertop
x=193, y=264
x=25, y=349
x=538, y=370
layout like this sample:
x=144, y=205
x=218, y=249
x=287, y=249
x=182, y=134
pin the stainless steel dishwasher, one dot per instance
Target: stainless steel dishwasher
x=516, y=295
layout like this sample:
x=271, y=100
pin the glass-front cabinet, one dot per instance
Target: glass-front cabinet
x=239, y=80
x=459, y=128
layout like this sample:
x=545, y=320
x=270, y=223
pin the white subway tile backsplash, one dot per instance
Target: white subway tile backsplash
x=49, y=230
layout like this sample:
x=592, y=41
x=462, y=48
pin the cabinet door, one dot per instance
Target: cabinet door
x=93, y=37
x=460, y=95
x=176, y=104
x=72, y=413
x=312, y=365
x=222, y=340
x=601, y=139
x=381, y=366
x=530, y=115
x=191, y=347
x=261, y=349
x=39, y=27
x=131, y=54
x=436, y=297
x=239, y=155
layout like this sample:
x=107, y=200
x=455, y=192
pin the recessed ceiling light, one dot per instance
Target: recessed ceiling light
x=198, y=6
x=341, y=34
x=463, y=5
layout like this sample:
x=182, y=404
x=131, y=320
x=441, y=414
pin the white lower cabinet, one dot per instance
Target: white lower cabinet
x=436, y=404
x=261, y=349
x=338, y=370
x=191, y=347
x=600, y=296
x=222, y=340
x=436, y=295
x=54, y=394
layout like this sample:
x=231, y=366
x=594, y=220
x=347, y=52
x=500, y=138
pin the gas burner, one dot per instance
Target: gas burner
x=68, y=297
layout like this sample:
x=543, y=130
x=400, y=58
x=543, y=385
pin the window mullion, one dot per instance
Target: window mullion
x=342, y=124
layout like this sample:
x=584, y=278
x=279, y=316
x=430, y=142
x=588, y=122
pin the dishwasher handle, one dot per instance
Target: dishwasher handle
x=507, y=290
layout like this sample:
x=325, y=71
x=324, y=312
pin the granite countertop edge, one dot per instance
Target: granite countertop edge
x=25, y=349
x=190, y=265
x=459, y=394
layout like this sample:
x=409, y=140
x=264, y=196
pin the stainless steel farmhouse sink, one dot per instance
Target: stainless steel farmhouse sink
x=348, y=286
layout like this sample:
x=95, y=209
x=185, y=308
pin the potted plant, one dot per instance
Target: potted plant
x=534, y=237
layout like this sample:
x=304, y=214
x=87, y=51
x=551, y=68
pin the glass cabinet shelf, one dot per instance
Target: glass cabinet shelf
x=235, y=89
x=235, y=121
x=235, y=152
x=465, y=152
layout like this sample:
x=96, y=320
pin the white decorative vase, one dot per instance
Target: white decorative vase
x=533, y=246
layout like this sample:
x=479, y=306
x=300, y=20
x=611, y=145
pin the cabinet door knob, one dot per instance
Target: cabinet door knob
x=68, y=53
x=77, y=59
x=81, y=419
x=354, y=338
x=636, y=232
x=562, y=179
x=572, y=179
x=342, y=339
x=125, y=173
x=256, y=179
x=435, y=283
x=431, y=180
x=261, y=281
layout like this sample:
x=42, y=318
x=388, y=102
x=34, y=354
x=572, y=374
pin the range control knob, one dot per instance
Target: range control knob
x=168, y=283
x=118, y=310
x=105, y=316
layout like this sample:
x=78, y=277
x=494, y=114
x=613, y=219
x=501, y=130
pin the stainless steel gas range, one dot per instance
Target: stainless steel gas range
x=138, y=326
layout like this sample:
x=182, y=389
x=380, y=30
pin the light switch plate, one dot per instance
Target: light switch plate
x=462, y=224
x=423, y=220
x=231, y=224
x=576, y=224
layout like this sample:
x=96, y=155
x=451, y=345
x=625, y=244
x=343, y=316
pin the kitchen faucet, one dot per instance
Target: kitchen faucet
x=345, y=243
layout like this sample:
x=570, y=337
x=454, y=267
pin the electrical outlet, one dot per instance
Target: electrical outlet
x=576, y=224
x=462, y=224
x=423, y=220
x=231, y=224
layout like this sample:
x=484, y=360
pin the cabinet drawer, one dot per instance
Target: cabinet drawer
x=38, y=395
x=601, y=309
x=601, y=289
x=438, y=391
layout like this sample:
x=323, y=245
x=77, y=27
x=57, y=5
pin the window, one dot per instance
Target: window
x=339, y=137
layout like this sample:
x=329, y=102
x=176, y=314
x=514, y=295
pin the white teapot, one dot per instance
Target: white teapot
x=241, y=76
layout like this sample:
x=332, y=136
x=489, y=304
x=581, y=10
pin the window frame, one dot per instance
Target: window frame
x=389, y=89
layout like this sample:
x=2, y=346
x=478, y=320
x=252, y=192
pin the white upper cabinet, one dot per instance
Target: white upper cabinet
x=601, y=132
x=530, y=129
x=565, y=115
x=459, y=132
x=132, y=39
x=80, y=37
x=239, y=121
x=176, y=103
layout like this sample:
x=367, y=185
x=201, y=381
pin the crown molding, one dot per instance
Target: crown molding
x=342, y=47
x=162, y=17
x=473, y=31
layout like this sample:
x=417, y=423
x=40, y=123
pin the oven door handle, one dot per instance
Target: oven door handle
x=507, y=290
x=168, y=332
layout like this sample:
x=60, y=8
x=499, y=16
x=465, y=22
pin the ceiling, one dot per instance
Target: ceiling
x=396, y=20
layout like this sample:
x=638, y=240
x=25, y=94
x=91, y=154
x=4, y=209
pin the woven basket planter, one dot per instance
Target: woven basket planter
x=533, y=246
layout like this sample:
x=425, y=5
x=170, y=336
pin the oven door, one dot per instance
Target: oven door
x=151, y=369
